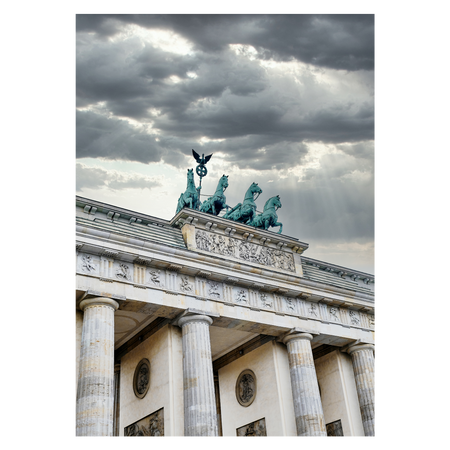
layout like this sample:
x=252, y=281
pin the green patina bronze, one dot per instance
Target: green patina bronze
x=244, y=212
x=268, y=218
x=201, y=169
x=217, y=202
x=191, y=196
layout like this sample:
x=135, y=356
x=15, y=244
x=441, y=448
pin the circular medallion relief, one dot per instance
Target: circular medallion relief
x=141, y=380
x=246, y=387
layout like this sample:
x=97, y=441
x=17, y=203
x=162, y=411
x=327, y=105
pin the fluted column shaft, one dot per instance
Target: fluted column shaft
x=308, y=410
x=364, y=369
x=95, y=393
x=200, y=416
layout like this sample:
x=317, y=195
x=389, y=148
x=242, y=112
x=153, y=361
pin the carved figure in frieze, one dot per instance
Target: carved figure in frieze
x=154, y=427
x=88, y=263
x=244, y=250
x=123, y=272
x=241, y=296
x=230, y=248
x=354, y=319
x=265, y=300
x=313, y=310
x=334, y=314
x=202, y=240
x=290, y=304
x=136, y=432
x=217, y=244
x=185, y=285
x=257, y=428
x=213, y=289
x=155, y=277
x=284, y=261
x=265, y=256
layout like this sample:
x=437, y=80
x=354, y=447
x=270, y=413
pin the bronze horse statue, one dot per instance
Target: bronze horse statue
x=245, y=211
x=191, y=196
x=217, y=202
x=268, y=218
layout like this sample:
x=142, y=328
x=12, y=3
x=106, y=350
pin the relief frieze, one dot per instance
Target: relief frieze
x=257, y=428
x=244, y=250
x=152, y=425
x=256, y=296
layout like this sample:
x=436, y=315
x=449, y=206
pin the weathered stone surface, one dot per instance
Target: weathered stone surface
x=308, y=410
x=95, y=395
x=200, y=413
x=364, y=368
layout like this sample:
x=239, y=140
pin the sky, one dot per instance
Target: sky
x=286, y=101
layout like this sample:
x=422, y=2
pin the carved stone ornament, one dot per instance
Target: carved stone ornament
x=257, y=428
x=244, y=250
x=141, y=379
x=246, y=388
x=335, y=428
x=152, y=425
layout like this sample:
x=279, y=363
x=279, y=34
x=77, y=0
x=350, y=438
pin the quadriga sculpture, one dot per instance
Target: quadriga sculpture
x=191, y=196
x=217, y=202
x=245, y=211
x=268, y=218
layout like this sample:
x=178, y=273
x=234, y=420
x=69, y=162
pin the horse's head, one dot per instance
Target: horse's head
x=273, y=202
x=224, y=181
x=255, y=189
x=277, y=201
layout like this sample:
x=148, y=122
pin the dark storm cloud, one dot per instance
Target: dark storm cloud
x=335, y=41
x=101, y=137
x=219, y=94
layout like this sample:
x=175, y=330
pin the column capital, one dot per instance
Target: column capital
x=294, y=336
x=358, y=347
x=98, y=301
x=194, y=318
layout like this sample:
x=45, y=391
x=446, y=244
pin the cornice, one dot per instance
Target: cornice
x=340, y=270
x=93, y=207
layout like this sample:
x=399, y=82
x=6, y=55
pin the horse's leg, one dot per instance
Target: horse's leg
x=276, y=224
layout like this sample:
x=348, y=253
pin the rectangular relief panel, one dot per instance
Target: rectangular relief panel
x=152, y=425
x=257, y=428
x=335, y=428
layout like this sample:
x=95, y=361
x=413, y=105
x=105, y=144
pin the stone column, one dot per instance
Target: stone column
x=308, y=410
x=116, y=416
x=200, y=417
x=77, y=327
x=364, y=369
x=95, y=393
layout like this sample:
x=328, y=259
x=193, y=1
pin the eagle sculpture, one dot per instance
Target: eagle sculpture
x=203, y=160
